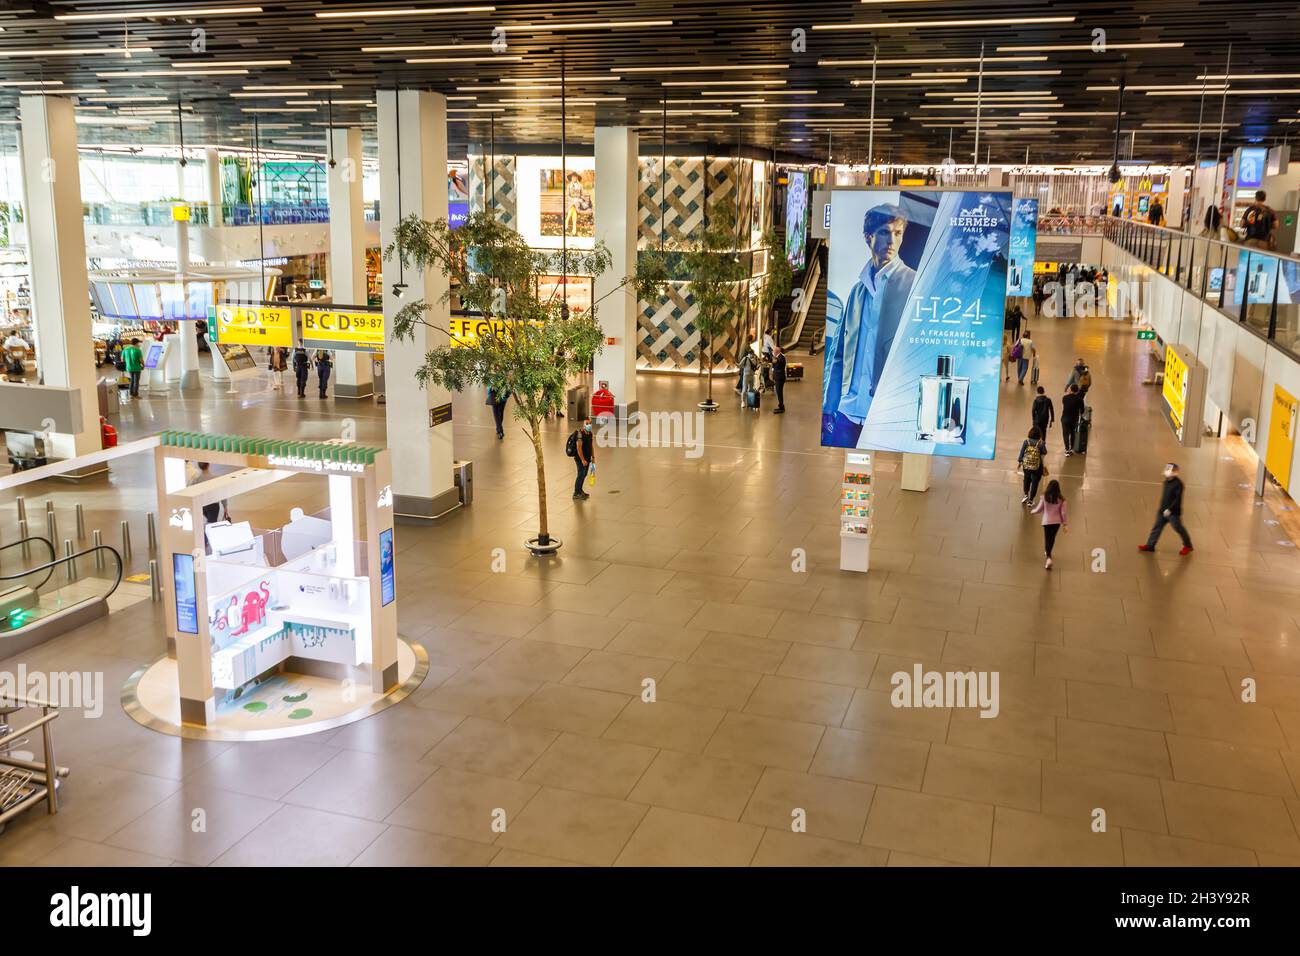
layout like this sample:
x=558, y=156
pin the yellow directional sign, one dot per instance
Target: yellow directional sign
x=346, y=331
x=465, y=332
x=253, y=325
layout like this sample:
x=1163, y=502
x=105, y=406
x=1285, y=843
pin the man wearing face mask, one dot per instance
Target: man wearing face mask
x=583, y=453
x=1171, y=512
x=858, y=346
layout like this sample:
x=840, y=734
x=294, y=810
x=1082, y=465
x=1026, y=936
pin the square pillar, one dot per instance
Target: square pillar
x=56, y=251
x=616, y=205
x=422, y=453
x=347, y=259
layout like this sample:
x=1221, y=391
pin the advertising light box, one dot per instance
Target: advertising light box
x=796, y=218
x=343, y=331
x=1250, y=168
x=916, y=292
x=1024, y=240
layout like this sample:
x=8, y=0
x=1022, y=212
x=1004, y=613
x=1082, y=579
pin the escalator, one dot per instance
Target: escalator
x=43, y=595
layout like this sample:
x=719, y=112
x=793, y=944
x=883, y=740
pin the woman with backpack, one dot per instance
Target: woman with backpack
x=1033, y=461
x=1052, y=508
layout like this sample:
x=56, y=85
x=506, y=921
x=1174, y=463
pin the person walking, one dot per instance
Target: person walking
x=301, y=368
x=1071, y=412
x=1156, y=213
x=580, y=448
x=497, y=398
x=1081, y=376
x=277, y=366
x=778, y=379
x=1052, y=507
x=1170, y=512
x=1042, y=413
x=323, y=367
x=133, y=362
x=1259, y=224
x=1033, y=462
x=1024, y=352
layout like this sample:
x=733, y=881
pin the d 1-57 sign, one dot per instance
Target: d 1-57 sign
x=343, y=331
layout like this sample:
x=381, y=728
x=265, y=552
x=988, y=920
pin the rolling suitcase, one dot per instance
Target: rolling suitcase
x=1033, y=378
x=752, y=398
x=1081, y=431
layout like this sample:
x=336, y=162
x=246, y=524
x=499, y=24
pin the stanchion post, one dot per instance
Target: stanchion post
x=22, y=508
x=98, y=540
x=151, y=532
x=22, y=533
x=155, y=585
x=52, y=526
x=71, y=561
x=81, y=522
x=126, y=540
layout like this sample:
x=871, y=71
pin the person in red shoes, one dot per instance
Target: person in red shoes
x=1171, y=512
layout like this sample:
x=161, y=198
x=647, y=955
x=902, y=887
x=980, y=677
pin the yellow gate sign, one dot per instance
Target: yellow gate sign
x=345, y=331
x=465, y=332
x=253, y=325
x=1175, y=390
x=1281, y=436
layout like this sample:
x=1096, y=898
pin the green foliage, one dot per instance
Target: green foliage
x=780, y=276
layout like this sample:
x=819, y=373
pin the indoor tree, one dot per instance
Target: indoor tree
x=533, y=345
x=714, y=270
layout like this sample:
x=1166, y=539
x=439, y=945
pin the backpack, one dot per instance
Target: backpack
x=1017, y=351
x=571, y=446
x=1257, y=222
x=1033, y=459
x=1085, y=380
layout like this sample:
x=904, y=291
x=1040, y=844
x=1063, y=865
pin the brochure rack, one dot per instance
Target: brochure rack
x=857, y=507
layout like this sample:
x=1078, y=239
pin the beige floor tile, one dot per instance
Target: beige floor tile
x=566, y=825
x=620, y=673
x=784, y=848
x=1021, y=838
x=695, y=784
x=984, y=777
x=911, y=859
x=1154, y=849
x=398, y=846
x=1180, y=677
x=360, y=784
x=83, y=853
x=298, y=836
x=1200, y=649
x=766, y=741
x=267, y=769
x=481, y=693
x=1022, y=693
x=1129, y=800
x=1276, y=859
x=605, y=768
x=1109, y=747
x=799, y=598
x=703, y=586
x=503, y=620
x=932, y=826
x=989, y=653
x=812, y=702
x=581, y=630
x=581, y=599
x=853, y=608
x=464, y=805
x=742, y=619
x=1238, y=819
x=513, y=589
x=513, y=858
x=723, y=687
x=1252, y=724
x=1071, y=663
x=831, y=665
x=490, y=747
x=1125, y=638
x=657, y=640
x=1144, y=709
x=917, y=612
x=673, y=838
x=666, y=725
x=168, y=830
x=832, y=808
x=400, y=731
x=873, y=711
x=627, y=577
x=999, y=618
x=1028, y=735
x=654, y=609
x=871, y=758
x=1233, y=766
x=759, y=654
x=449, y=647
x=534, y=660
x=578, y=710
x=896, y=640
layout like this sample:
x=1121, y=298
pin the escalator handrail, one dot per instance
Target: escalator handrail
x=53, y=555
x=73, y=557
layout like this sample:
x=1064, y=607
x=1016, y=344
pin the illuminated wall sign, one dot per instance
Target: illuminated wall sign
x=343, y=331
x=253, y=325
x=1281, y=436
x=313, y=464
x=1175, y=390
x=465, y=332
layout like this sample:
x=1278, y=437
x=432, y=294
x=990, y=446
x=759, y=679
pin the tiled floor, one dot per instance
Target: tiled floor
x=530, y=742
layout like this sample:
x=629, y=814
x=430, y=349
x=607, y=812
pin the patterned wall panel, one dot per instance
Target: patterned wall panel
x=668, y=339
x=480, y=194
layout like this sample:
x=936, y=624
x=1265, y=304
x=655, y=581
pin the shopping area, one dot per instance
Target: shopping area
x=482, y=436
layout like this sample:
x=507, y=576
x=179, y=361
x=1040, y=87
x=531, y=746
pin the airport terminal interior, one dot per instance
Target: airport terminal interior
x=649, y=434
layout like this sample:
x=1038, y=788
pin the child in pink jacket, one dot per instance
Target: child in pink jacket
x=1052, y=506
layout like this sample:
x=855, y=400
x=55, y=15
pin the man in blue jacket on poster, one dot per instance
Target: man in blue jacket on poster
x=859, y=344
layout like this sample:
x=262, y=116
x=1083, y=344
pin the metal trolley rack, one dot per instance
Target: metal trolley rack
x=25, y=783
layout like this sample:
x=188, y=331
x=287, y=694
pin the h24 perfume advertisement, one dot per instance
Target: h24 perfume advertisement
x=916, y=291
x=1024, y=237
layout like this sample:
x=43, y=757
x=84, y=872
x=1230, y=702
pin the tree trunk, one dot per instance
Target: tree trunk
x=535, y=432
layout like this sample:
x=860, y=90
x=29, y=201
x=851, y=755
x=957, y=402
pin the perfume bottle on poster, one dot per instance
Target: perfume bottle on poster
x=941, y=406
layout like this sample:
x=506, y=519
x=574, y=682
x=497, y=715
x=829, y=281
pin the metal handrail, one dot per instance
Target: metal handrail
x=809, y=289
x=68, y=558
x=1112, y=224
x=15, y=544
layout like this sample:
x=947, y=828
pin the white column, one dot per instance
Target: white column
x=422, y=455
x=347, y=259
x=189, y=339
x=212, y=177
x=616, y=199
x=56, y=251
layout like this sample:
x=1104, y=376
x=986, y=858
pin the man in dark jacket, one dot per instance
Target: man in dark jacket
x=1171, y=512
x=583, y=454
x=301, y=367
x=1042, y=412
x=778, y=380
x=1071, y=412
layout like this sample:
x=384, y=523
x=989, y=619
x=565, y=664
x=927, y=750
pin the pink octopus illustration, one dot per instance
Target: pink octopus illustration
x=254, y=611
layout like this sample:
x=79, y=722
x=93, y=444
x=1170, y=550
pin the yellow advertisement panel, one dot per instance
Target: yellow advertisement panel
x=254, y=325
x=1281, y=436
x=1175, y=387
x=348, y=331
